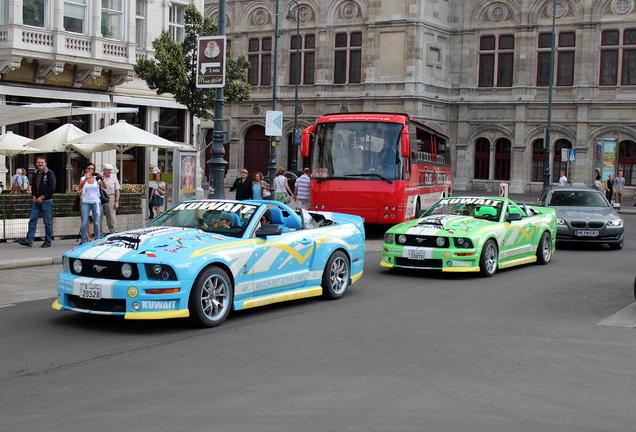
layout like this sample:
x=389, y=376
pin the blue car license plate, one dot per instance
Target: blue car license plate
x=586, y=233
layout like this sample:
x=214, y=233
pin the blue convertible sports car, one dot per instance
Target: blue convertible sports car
x=202, y=258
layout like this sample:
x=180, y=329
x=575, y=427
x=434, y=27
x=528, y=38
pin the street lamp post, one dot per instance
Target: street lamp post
x=294, y=161
x=546, y=141
x=271, y=171
x=217, y=162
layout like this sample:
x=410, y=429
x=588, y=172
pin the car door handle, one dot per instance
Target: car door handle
x=305, y=241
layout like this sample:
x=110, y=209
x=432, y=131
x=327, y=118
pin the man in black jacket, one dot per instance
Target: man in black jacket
x=42, y=189
x=242, y=186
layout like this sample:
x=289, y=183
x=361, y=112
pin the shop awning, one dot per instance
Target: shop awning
x=11, y=114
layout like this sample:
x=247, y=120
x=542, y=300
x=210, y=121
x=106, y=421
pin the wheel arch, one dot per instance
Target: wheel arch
x=219, y=264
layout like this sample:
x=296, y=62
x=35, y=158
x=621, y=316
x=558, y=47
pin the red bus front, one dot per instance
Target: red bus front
x=364, y=164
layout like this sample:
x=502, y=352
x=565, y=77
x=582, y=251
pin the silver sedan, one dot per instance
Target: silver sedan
x=584, y=215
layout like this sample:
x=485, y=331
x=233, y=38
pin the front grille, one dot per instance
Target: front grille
x=102, y=305
x=596, y=224
x=578, y=224
x=107, y=269
x=426, y=263
x=423, y=241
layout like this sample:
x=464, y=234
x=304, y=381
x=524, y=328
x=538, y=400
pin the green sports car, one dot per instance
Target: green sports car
x=472, y=234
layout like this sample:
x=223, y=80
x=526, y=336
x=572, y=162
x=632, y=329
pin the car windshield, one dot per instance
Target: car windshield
x=480, y=208
x=357, y=150
x=565, y=198
x=221, y=217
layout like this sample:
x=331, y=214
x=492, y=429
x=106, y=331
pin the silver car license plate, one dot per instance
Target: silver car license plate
x=586, y=233
x=91, y=291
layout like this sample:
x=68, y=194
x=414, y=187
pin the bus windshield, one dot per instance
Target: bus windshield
x=357, y=150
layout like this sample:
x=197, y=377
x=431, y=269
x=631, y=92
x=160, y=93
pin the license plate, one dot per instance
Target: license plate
x=91, y=291
x=417, y=255
x=586, y=233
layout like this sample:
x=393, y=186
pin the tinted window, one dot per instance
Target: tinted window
x=577, y=199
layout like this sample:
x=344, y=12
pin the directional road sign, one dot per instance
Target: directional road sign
x=274, y=123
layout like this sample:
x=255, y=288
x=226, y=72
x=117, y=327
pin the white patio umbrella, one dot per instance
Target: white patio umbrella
x=13, y=144
x=59, y=140
x=123, y=136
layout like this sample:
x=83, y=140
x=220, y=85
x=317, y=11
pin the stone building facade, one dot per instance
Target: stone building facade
x=476, y=69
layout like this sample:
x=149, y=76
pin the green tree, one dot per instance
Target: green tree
x=173, y=70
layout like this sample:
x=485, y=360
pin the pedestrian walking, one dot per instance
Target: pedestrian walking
x=153, y=176
x=609, y=188
x=563, y=180
x=158, y=198
x=282, y=192
x=598, y=184
x=90, y=202
x=109, y=209
x=260, y=188
x=19, y=182
x=43, y=181
x=619, y=187
x=243, y=186
x=302, y=193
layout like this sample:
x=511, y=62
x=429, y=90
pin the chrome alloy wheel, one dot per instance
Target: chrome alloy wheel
x=339, y=275
x=546, y=248
x=491, y=258
x=215, y=297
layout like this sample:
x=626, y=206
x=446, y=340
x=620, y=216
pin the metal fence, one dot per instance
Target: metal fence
x=15, y=213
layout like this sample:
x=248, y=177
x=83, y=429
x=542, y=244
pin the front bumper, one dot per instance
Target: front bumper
x=123, y=298
x=444, y=259
x=565, y=233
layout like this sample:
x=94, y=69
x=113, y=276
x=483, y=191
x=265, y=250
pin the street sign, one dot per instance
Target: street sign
x=274, y=123
x=297, y=137
x=211, y=62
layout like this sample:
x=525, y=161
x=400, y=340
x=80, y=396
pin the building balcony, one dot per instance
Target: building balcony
x=43, y=56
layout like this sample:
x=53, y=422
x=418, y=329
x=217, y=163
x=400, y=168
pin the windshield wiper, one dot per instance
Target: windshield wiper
x=381, y=177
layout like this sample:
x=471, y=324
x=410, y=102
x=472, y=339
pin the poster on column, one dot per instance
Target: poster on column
x=609, y=157
x=187, y=175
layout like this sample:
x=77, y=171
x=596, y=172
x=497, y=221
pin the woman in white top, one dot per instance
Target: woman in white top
x=89, y=195
x=282, y=191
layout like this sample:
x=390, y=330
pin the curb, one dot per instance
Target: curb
x=31, y=262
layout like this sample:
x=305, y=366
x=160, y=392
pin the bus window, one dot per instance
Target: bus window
x=441, y=153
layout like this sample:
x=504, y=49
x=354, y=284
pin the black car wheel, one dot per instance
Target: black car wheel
x=336, y=276
x=544, y=249
x=211, y=298
x=489, y=259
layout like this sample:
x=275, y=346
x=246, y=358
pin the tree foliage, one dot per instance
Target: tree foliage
x=173, y=70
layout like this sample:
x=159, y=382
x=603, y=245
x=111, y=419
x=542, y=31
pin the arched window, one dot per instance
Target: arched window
x=558, y=164
x=502, y=159
x=482, y=158
x=627, y=161
x=538, y=160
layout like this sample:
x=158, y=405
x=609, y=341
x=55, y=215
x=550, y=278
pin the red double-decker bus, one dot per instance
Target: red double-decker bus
x=386, y=168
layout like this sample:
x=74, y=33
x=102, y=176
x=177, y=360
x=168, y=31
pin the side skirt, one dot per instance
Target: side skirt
x=518, y=261
x=280, y=297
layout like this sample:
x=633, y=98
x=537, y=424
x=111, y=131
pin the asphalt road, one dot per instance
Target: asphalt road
x=406, y=351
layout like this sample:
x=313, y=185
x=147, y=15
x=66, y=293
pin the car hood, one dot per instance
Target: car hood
x=584, y=213
x=442, y=224
x=151, y=244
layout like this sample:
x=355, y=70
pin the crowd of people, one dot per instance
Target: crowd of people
x=257, y=188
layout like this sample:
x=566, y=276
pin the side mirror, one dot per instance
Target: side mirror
x=513, y=217
x=268, y=230
x=405, y=143
x=305, y=140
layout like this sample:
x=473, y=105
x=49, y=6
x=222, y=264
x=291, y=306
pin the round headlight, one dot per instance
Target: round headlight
x=460, y=241
x=126, y=270
x=136, y=306
x=156, y=269
x=165, y=275
x=77, y=266
x=560, y=221
x=440, y=241
x=402, y=239
x=389, y=238
x=615, y=222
